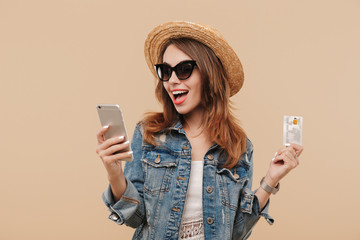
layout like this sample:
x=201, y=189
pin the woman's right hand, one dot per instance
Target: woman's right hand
x=106, y=149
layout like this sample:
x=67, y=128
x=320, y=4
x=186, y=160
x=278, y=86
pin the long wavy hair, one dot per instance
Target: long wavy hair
x=218, y=121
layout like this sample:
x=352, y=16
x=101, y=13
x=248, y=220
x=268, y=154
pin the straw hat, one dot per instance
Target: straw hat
x=209, y=36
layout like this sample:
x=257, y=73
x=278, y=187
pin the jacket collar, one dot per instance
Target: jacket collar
x=176, y=126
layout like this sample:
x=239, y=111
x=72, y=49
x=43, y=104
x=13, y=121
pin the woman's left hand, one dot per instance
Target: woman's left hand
x=285, y=160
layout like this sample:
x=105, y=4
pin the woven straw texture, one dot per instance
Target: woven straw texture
x=209, y=36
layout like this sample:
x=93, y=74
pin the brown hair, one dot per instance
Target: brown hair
x=219, y=122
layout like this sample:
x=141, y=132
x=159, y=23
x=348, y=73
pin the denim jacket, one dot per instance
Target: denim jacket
x=157, y=182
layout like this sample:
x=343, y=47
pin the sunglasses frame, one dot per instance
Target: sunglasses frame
x=173, y=69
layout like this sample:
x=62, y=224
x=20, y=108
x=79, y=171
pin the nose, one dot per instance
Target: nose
x=173, y=78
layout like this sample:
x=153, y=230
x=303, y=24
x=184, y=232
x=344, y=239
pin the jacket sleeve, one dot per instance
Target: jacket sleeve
x=249, y=211
x=130, y=208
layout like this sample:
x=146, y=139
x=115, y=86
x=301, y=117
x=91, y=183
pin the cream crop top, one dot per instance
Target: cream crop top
x=192, y=227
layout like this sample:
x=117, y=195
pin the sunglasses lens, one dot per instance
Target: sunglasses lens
x=184, y=70
x=163, y=71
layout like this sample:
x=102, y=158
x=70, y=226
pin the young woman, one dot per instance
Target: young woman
x=191, y=176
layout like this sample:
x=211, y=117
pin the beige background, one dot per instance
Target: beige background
x=58, y=59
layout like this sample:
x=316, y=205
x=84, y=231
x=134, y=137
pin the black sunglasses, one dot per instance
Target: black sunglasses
x=183, y=70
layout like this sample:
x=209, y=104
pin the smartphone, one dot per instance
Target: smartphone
x=111, y=115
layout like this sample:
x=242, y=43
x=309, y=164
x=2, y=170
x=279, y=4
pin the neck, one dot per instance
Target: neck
x=193, y=122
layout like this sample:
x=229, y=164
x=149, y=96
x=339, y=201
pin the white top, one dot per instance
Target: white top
x=192, y=227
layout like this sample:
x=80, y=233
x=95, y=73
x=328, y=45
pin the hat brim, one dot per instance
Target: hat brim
x=209, y=36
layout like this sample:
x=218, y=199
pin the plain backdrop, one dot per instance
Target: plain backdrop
x=58, y=59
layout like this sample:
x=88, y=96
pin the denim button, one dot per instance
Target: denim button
x=185, y=147
x=162, y=138
x=114, y=217
x=157, y=160
x=181, y=178
x=209, y=189
x=210, y=220
x=211, y=157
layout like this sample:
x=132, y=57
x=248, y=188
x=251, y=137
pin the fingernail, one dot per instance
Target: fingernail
x=130, y=153
x=106, y=126
x=126, y=142
x=287, y=144
x=121, y=138
x=275, y=154
x=273, y=159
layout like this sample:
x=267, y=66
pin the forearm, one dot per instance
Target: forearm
x=262, y=195
x=118, y=186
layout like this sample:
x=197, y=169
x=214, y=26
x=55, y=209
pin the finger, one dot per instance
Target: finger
x=108, y=143
x=283, y=161
x=293, y=152
x=115, y=148
x=100, y=134
x=283, y=149
x=290, y=159
x=279, y=159
x=298, y=149
x=297, y=158
x=297, y=161
x=286, y=158
x=120, y=156
x=286, y=149
x=274, y=156
x=112, y=141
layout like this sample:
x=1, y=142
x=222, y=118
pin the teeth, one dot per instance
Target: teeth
x=179, y=92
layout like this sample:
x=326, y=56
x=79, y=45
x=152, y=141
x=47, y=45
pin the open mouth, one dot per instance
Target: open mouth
x=179, y=96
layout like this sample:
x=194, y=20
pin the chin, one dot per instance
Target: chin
x=186, y=110
x=182, y=111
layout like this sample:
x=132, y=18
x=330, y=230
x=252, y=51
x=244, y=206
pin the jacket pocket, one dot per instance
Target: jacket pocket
x=231, y=185
x=159, y=166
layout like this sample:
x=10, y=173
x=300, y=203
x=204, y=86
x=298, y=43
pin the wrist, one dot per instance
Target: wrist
x=115, y=177
x=118, y=186
x=270, y=189
x=270, y=181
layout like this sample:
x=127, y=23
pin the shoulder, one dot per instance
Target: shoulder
x=140, y=127
x=249, y=146
x=246, y=160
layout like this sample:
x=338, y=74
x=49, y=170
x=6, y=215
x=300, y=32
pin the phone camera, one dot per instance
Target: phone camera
x=99, y=107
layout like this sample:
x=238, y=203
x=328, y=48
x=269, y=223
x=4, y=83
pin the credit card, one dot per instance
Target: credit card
x=292, y=133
